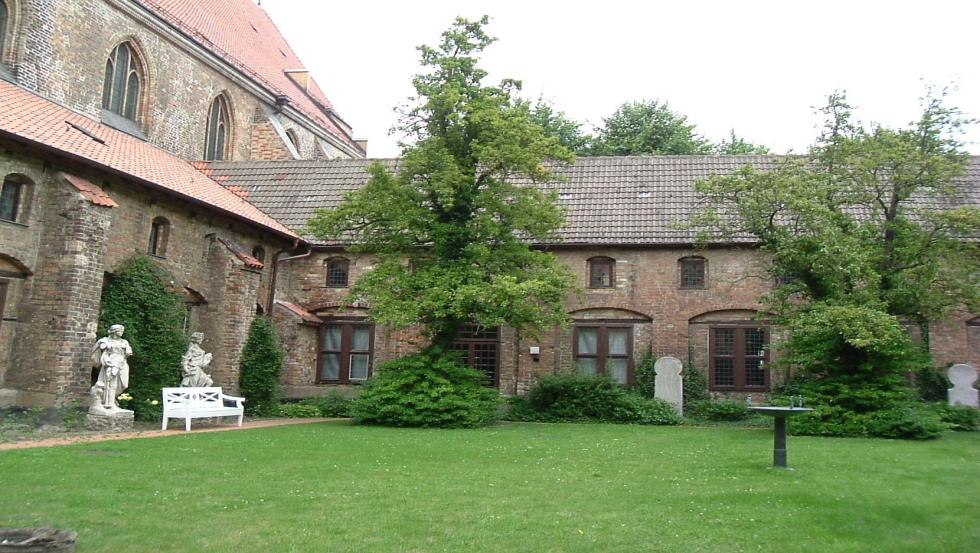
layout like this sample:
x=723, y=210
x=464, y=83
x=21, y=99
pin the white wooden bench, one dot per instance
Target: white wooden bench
x=198, y=403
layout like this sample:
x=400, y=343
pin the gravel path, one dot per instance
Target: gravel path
x=92, y=438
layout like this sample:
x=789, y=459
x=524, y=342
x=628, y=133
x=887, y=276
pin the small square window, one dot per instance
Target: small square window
x=602, y=272
x=338, y=272
x=692, y=272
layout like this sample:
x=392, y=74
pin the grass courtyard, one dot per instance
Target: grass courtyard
x=514, y=487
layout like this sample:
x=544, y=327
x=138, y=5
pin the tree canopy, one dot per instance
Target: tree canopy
x=866, y=233
x=648, y=127
x=450, y=229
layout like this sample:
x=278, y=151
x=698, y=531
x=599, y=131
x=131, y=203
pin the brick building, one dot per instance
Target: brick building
x=105, y=105
x=648, y=290
x=189, y=131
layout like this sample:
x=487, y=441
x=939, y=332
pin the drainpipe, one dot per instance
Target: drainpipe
x=276, y=261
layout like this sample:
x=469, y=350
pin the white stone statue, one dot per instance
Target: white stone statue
x=193, y=363
x=109, y=356
x=962, y=393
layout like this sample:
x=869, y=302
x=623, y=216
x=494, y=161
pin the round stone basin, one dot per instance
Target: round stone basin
x=776, y=411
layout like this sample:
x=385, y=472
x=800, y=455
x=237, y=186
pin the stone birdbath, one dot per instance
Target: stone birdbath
x=780, y=414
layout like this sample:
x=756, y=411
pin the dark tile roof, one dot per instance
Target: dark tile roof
x=629, y=200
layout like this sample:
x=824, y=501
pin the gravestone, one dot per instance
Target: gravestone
x=669, y=383
x=962, y=392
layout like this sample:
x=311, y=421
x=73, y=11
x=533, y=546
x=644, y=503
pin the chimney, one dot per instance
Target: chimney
x=300, y=77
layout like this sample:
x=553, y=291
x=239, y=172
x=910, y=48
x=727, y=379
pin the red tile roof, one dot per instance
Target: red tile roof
x=28, y=118
x=90, y=191
x=299, y=312
x=243, y=255
x=241, y=33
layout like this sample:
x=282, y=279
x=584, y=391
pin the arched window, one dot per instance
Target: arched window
x=602, y=272
x=338, y=272
x=258, y=252
x=693, y=272
x=122, y=85
x=216, y=147
x=159, y=236
x=14, y=196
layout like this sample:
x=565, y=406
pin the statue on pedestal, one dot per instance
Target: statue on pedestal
x=193, y=363
x=109, y=356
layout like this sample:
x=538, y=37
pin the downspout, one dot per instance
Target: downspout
x=276, y=261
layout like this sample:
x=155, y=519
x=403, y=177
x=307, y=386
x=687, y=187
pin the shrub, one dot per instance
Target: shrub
x=298, y=410
x=139, y=299
x=723, y=410
x=932, y=383
x=645, y=378
x=429, y=389
x=912, y=421
x=334, y=404
x=695, y=385
x=828, y=420
x=260, y=368
x=960, y=417
x=572, y=398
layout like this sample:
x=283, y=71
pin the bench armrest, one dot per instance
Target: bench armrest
x=232, y=398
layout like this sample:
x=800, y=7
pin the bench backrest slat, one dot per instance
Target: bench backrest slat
x=192, y=397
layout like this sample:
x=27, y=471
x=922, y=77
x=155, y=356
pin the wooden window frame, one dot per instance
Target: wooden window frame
x=18, y=196
x=685, y=262
x=470, y=343
x=602, y=348
x=345, y=351
x=601, y=260
x=329, y=270
x=739, y=357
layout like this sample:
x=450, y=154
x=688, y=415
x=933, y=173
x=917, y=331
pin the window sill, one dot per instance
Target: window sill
x=120, y=123
x=14, y=223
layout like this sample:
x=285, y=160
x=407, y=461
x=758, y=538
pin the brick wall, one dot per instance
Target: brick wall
x=69, y=244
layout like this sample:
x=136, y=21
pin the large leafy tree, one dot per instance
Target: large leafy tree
x=451, y=228
x=869, y=233
x=556, y=123
x=648, y=127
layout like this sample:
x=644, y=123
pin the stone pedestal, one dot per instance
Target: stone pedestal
x=110, y=421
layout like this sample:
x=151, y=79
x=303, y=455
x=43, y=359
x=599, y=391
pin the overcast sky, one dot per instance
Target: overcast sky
x=758, y=67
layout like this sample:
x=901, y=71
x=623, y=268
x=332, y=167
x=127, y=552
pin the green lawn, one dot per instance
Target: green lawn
x=516, y=487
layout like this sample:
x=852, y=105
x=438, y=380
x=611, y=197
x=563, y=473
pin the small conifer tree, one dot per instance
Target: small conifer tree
x=260, y=367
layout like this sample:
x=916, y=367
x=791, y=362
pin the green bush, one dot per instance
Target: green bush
x=570, y=398
x=645, y=378
x=260, y=368
x=695, y=385
x=723, y=410
x=334, y=404
x=138, y=298
x=829, y=420
x=960, y=417
x=429, y=389
x=912, y=421
x=299, y=411
x=932, y=383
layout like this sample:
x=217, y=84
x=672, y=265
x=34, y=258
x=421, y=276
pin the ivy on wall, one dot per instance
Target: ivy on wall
x=138, y=298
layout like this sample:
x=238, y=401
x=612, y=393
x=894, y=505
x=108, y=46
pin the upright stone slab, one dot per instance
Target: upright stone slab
x=669, y=383
x=962, y=392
